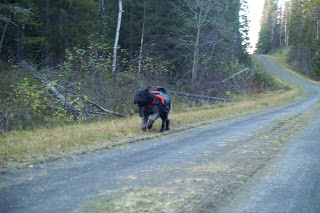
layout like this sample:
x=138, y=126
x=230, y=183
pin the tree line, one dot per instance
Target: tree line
x=294, y=24
x=176, y=30
x=72, y=57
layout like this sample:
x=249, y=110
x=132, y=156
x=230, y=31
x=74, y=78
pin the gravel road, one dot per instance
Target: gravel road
x=291, y=181
x=264, y=162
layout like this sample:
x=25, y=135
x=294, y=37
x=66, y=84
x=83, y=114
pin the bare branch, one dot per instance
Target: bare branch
x=43, y=80
x=238, y=73
x=59, y=95
x=94, y=104
x=198, y=96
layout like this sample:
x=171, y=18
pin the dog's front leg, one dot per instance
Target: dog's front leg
x=144, y=122
x=153, y=118
x=141, y=111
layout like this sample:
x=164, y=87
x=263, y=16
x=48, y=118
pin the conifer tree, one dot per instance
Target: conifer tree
x=267, y=35
x=304, y=36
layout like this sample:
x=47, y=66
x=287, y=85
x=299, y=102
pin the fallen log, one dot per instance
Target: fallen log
x=198, y=96
x=226, y=79
x=61, y=97
x=238, y=73
x=46, y=82
x=93, y=103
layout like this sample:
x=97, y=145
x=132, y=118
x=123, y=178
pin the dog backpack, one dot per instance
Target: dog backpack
x=164, y=98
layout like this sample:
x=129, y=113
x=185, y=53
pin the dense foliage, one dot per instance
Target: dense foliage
x=189, y=45
x=295, y=24
x=42, y=30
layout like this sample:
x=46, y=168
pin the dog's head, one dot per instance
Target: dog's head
x=143, y=96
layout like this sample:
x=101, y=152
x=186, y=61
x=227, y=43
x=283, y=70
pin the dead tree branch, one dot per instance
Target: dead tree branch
x=62, y=98
x=198, y=96
x=46, y=82
x=227, y=79
x=93, y=103
x=234, y=75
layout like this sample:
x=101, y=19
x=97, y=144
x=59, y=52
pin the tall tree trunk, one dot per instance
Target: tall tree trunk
x=273, y=30
x=47, y=29
x=142, y=36
x=102, y=12
x=286, y=31
x=281, y=27
x=196, y=56
x=18, y=36
x=318, y=22
x=2, y=36
x=286, y=17
x=115, y=47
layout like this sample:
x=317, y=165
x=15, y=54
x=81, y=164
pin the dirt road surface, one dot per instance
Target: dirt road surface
x=263, y=162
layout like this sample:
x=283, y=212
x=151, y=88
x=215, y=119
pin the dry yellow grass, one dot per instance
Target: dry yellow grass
x=41, y=144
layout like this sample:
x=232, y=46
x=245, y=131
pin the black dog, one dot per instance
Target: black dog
x=156, y=103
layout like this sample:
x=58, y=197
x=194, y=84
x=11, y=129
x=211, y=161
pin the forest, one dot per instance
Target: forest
x=77, y=59
x=80, y=60
x=295, y=26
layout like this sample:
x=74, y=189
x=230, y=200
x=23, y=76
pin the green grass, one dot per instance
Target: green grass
x=151, y=199
x=281, y=57
x=280, y=121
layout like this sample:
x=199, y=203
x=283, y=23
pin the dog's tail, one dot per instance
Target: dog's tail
x=162, y=89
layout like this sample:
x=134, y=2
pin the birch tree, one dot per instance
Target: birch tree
x=142, y=37
x=115, y=47
x=196, y=15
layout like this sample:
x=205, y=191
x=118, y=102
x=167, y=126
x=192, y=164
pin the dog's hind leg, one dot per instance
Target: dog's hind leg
x=153, y=118
x=167, y=124
x=163, y=125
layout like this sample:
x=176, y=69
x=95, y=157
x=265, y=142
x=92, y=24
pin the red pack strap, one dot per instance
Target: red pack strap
x=153, y=102
x=161, y=98
x=155, y=99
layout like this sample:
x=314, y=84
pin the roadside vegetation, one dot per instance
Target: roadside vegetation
x=282, y=58
x=66, y=90
x=294, y=26
x=59, y=66
x=25, y=147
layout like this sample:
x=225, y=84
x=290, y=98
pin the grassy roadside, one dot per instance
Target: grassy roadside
x=21, y=148
x=282, y=58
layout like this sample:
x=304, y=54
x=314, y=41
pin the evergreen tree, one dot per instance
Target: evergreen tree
x=53, y=26
x=49, y=29
x=267, y=35
x=244, y=28
x=304, y=36
x=296, y=25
